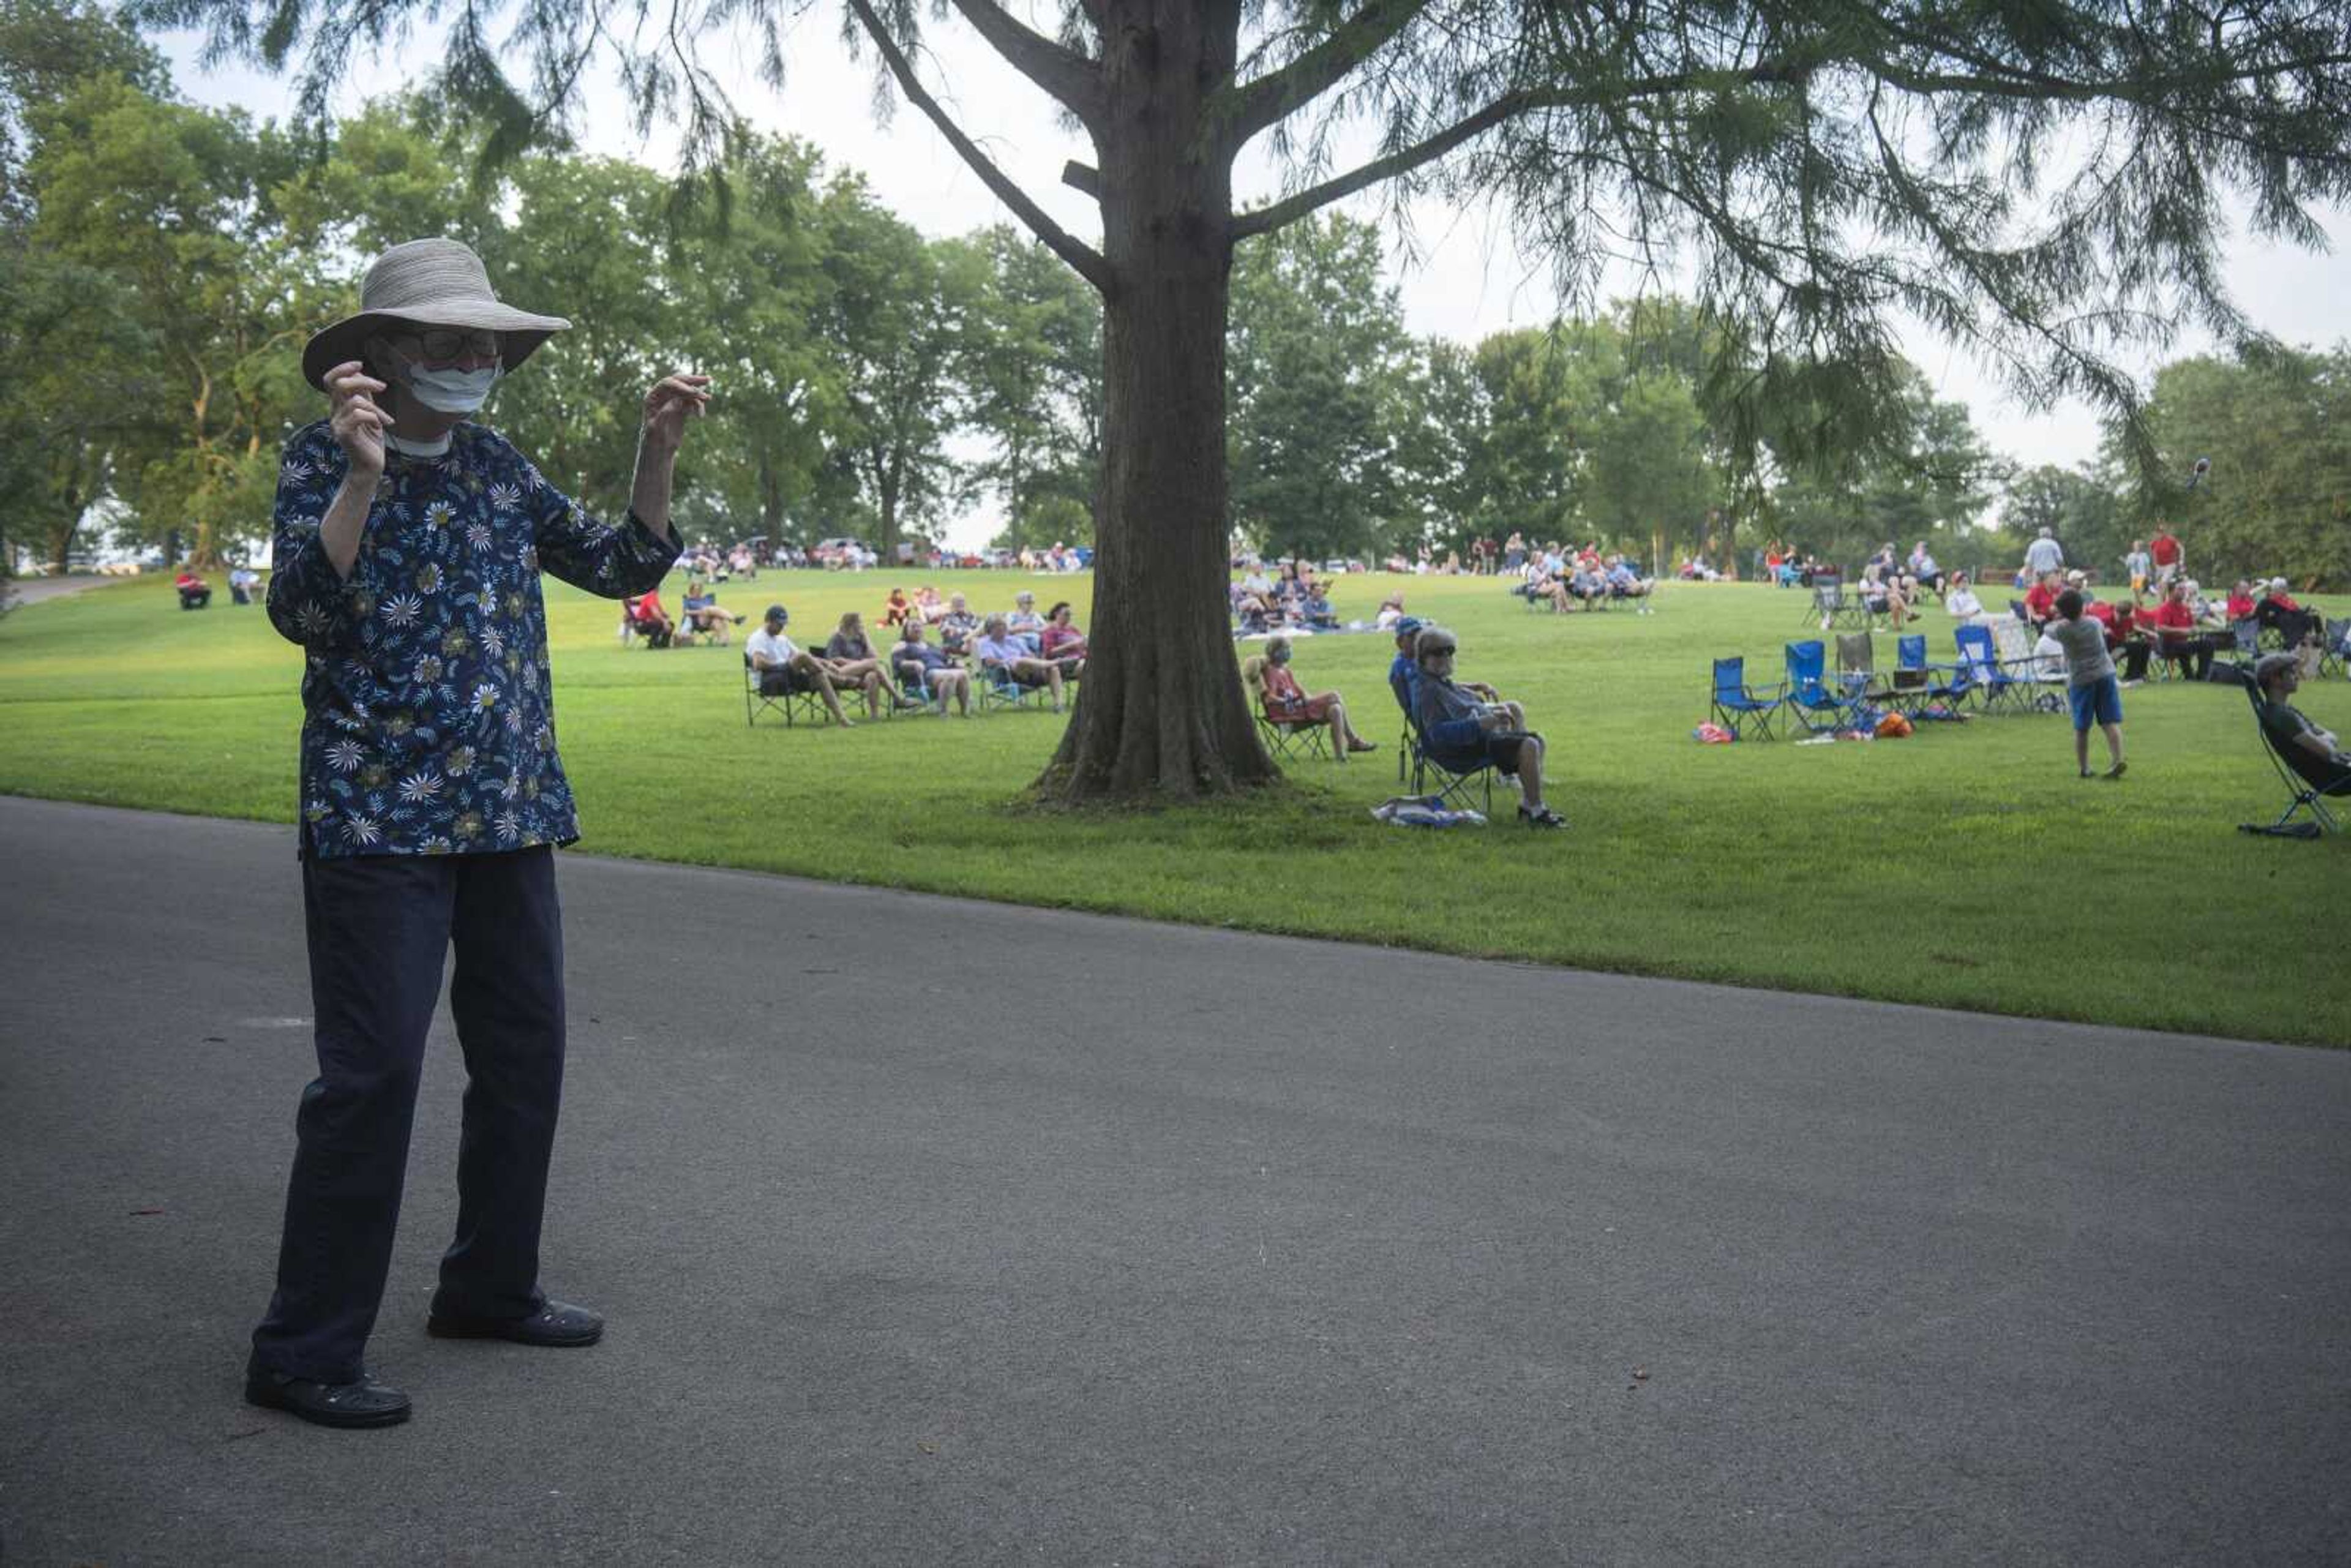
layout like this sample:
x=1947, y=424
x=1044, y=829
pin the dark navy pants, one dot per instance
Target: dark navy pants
x=380, y=926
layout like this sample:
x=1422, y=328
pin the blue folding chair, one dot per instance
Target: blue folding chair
x=1453, y=782
x=1995, y=688
x=1821, y=707
x=998, y=689
x=1917, y=683
x=1735, y=707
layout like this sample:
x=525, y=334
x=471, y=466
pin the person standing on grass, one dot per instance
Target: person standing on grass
x=409, y=543
x=2090, y=686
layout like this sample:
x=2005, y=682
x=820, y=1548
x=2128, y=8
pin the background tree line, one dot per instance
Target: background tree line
x=160, y=264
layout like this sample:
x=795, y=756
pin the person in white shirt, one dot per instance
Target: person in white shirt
x=2139, y=566
x=1961, y=603
x=784, y=668
x=1024, y=622
x=999, y=650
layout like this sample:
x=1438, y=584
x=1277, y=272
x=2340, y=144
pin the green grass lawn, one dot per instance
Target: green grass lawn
x=1966, y=867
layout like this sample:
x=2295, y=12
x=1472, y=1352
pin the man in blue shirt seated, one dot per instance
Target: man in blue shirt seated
x=1403, y=674
x=1460, y=731
x=1624, y=582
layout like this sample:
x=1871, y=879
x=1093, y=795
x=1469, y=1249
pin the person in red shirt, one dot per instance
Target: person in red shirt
x=2278, y=598
x=1286, y=702
x=194, y=591
x=2170, y=559
x=2041, y=601
x=1060, y=642
x=649, y=619
x=2176, y=636
x=2125, y=640
x=2239, y=605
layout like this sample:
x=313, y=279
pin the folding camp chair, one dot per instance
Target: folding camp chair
x=2246, y=634
x=1857, y=669
x=1283, y=737
x=1917, y=683
x=1820, y=707
x=795, y=697
x=1453, y=784
x=998, y=689
x=2307, y=792
x=1739, y=709
x=2026, y=673
x=1980, y=667
x=1828, y=607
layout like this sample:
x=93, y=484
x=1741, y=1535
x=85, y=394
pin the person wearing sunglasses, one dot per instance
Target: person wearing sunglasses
x=1460, y=731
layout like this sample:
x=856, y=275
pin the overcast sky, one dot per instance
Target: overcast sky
x=1466, y=279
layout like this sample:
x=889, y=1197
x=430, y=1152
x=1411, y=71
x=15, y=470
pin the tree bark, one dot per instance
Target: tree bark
x=1161, y=715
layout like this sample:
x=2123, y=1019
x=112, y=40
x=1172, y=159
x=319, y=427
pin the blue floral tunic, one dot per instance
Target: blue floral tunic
x=428, y=722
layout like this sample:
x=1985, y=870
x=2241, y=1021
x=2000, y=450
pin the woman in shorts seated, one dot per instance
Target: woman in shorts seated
x=848, y=660
x=703, y=614
x=1459, y=731
x=1060, y=642
x=1287, y=704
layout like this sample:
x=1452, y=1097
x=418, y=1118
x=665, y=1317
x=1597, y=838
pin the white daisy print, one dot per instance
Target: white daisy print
x=420, y=788
x=404, y=609
x=362, y=831
x=510, y=827
x=438, y=514
x=477, y=535
x=485, y=698
x=345, y=755
x=505, y=498
x=312, y=617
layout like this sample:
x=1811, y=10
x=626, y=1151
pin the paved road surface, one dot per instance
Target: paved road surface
x=934, y=1232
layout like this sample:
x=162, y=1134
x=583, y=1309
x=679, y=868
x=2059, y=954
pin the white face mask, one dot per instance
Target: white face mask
x=449, y=392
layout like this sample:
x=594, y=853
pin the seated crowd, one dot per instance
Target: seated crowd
x=1296, y=600
x=1584, y=579
x=1019, y=651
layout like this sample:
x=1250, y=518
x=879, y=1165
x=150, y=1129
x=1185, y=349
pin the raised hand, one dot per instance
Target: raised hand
x=673, y=401
x=357, y=423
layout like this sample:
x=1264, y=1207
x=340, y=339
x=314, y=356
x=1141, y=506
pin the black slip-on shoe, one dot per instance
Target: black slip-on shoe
x=555, y=1323
x=366, y=1403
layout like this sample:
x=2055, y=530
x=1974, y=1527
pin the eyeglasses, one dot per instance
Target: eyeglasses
x=442, y=343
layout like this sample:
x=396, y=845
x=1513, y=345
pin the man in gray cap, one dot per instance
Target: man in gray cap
x=409, y=542
x=2313, y=753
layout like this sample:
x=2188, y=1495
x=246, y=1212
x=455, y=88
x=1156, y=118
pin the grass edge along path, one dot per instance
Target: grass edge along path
x=1965, y=867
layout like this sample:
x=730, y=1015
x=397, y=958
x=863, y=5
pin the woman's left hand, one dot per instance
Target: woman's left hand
x=673, y=401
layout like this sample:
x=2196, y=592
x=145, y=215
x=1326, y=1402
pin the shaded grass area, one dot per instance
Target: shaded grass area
x=1967, y=867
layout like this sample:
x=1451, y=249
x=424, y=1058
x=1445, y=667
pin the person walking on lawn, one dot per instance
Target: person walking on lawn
x=409, y=543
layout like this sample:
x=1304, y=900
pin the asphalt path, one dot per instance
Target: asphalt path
x=940, y=1232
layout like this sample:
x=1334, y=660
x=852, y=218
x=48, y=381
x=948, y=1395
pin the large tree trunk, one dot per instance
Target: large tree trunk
x=1161, y=715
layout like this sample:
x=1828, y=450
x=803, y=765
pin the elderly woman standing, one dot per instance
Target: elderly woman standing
x=409, y=544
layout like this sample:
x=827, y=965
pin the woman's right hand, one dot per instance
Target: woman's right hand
x=352, y=414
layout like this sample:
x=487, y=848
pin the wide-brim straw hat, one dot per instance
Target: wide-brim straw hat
x=432, y=283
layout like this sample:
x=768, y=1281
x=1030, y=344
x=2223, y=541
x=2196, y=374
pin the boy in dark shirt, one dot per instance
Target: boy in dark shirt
x=2315, y=755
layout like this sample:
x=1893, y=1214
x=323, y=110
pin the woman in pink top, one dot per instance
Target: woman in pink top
x=1062, y=643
